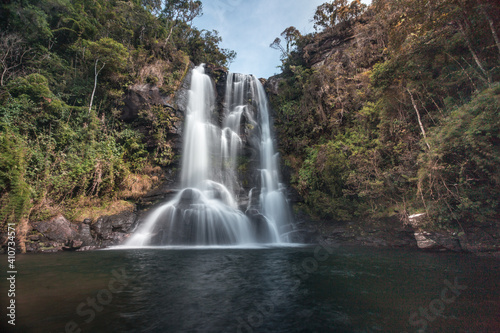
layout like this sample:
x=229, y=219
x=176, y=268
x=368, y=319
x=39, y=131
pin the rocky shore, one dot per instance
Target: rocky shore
x=59, y=234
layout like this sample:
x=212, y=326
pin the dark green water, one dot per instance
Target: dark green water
x=255, y=290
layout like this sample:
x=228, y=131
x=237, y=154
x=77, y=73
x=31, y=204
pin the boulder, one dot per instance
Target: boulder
x=58, y=229
x=140, y=97
x=113, y=230
x=424, y=242
x=480, y=239
x=434, y=240
x=58, y=234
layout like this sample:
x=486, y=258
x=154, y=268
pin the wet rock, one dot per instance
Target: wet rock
x=261, y=226
x=441, y=240
x=88, y=248
x=182, y=95
x=480, y=239
x=50, y=247
x=188, y=197
x=84, y=234
x=302, y=236
x=389, y=232
x=58, y=229
x=424, y=242
x=72, y=245
x=113, y=230
x=33, y=247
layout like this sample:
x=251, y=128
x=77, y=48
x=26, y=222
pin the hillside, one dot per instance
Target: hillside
x=88, y=121
x=393, y=110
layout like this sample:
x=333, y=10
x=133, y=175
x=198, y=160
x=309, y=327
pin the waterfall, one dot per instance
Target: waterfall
x=206, y=211
x=273, y=201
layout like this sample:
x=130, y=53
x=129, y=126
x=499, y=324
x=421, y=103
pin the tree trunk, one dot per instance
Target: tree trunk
x=419, y=119
x=3, y=74
x=95, y=81
x=471, y=50
x=492, y=27
x=169, y=35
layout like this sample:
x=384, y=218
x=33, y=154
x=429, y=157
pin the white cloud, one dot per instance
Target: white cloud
x=249, y=26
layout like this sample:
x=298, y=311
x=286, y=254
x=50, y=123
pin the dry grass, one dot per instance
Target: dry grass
x=156, y=69
x=22, y=230
x=136, y=185
x=94, y=208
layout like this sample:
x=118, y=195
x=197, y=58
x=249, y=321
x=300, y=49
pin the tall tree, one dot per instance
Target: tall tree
x=337, y=11
x=181, y=11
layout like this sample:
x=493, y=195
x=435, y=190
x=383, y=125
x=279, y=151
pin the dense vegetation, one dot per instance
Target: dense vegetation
x=391, y=108
x=394, y=109
x=65, y=67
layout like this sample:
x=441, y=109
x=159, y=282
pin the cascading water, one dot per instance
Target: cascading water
x=273, y=201
x=205, y=211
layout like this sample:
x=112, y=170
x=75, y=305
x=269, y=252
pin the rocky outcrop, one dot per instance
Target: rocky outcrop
x=391, y=232
x=143, y=96
x=388, y=232
x=272, y=84
x=437, y=241
x=139, y=103
x=59, y=234
x=324, y=45
x=113, y=230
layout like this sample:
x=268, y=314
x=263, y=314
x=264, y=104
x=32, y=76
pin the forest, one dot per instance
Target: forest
x=65, y=68
x=387, y=109
x=392, y=109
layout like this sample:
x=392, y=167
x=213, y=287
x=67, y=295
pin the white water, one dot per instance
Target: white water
x=273, y=201
x=206, y=211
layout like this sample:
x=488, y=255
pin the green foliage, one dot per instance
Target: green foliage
x=160, y=120
x=109, y=52
x=322, y=180
x=399, y=115
x=338, y=11
x=15, y=193
x=56, y=154
x=134, y=150
x=461, y=177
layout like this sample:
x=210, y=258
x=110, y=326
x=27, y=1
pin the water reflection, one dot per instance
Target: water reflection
x=256, y=290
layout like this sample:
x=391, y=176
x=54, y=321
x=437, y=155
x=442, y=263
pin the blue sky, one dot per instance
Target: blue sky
x=249, y=26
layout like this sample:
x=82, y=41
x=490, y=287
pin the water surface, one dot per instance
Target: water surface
x=268, y=289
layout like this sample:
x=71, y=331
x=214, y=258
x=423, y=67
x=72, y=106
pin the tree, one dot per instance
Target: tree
x=291, y=35
x=203, y=47
x=177, y=11
x=276, y=44
x=108, y=52
x=337, y=11
x=487, y=7
x=12, y=52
